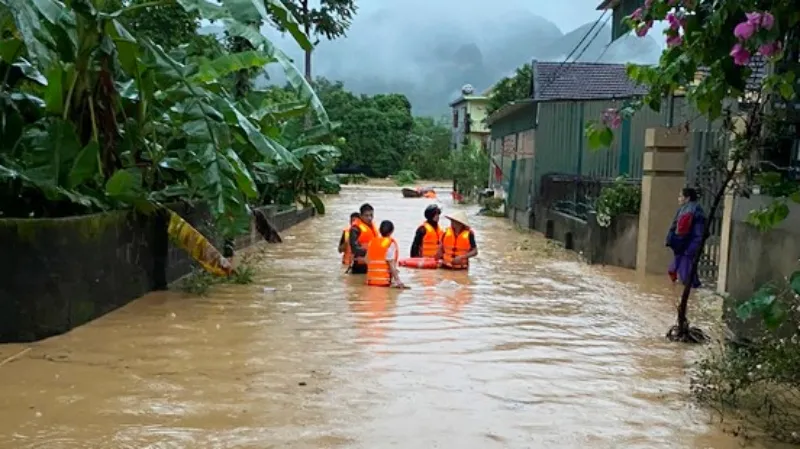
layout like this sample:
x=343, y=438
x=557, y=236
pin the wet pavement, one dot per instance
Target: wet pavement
x=530, y=349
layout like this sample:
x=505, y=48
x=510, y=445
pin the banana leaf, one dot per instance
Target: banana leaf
x=197, y=246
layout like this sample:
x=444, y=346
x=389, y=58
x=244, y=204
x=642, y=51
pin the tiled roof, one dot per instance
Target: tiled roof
x=582, y=81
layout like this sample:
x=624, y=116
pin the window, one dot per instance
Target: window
x=467, y=123
x=455, y=118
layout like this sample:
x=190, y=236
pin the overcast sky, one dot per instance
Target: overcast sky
x=427, y=49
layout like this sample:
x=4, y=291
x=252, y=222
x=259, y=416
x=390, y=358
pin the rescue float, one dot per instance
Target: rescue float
x=424, y=263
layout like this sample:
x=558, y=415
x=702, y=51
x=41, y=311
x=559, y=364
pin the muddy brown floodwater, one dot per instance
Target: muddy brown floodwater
x=530, y=349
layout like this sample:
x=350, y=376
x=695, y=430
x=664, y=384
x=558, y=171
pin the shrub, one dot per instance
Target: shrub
x=621, y=197
x=405, y=177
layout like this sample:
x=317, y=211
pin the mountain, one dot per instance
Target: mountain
x=428, y=59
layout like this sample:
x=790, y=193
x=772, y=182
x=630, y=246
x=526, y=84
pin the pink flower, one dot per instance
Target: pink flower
x=611, y=118
x=740, y=55
x=753, y=17
x=674, y=22
x=644, y=28
x=770, y=49
x=636, y=15
x=648, y=4
x=744, y=30
x=767, y=21
x=674, y=41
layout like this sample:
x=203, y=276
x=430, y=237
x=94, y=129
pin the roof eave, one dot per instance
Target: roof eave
x=457, y=101
x=607, y=4
x=507, y=110
x=608, y=98
x=467, y=98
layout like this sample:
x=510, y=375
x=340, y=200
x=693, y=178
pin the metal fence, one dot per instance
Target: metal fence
x=572, y=194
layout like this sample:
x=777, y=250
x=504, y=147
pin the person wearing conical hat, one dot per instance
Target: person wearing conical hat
x=458, y=243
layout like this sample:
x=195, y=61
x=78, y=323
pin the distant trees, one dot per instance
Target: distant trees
x=379, y=135
x=330, y=21
x=511, y=88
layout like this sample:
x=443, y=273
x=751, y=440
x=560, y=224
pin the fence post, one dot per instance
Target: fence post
x=663, y=177
x=726, y=222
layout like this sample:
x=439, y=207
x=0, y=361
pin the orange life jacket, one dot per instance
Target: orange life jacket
x=364, y=238
x=347, y=254
x=378, y=273
x=430, y=243
x=455, y=245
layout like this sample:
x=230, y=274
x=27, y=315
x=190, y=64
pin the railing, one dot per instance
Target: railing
x=572, y=194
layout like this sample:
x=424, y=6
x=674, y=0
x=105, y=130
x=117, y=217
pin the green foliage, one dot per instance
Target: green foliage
x=621, y=197
x=405, y=177
x=199, y=282
x=330, y=20
x=470, y=170
x=97, y=116
x=170, y=26
x=513, y=88
x=783, y=191
x=490, y=207
x=756, y=383
x=358, y=178
x=428, y=146
x=375, y=129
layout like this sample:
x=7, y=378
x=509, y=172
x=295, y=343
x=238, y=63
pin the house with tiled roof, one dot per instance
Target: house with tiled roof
x=545, y=133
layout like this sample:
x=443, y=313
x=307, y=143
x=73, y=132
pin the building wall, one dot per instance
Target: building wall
x=477, y=111
x=476, y=108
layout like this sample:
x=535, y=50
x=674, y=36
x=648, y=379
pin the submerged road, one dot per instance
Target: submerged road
x=530, y=349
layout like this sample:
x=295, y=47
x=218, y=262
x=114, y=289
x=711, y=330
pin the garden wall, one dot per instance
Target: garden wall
x=60, y=273
x=757, y=258
x=614, y=245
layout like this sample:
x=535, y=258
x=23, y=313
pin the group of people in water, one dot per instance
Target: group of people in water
x=372, y=250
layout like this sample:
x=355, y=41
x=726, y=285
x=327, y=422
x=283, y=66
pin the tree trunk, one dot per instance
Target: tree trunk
x=308, y=66
x=307, y=57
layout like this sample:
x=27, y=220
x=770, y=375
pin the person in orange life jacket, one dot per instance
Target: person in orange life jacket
x=361, y=233
x=428, y=235
x=344, y=241
x=458, y=243
x=382, y=255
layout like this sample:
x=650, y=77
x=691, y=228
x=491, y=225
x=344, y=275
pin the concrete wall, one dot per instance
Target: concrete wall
x=614, y=245
x=758, y=257
x=570, y=231
x=60, y=273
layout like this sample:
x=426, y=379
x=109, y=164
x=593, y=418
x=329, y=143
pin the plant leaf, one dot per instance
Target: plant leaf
x=85, y=165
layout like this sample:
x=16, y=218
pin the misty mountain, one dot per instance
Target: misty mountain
x=428, y=50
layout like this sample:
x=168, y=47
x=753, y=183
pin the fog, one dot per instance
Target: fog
x=428, y=49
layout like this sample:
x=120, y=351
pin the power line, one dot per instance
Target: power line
x=597, y=33
x=566, y=60
x=605, y=49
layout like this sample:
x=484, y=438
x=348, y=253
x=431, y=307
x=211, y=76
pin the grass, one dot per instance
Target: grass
x=199, y=282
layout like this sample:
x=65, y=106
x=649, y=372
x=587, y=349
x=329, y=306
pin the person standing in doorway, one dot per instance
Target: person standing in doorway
x=685, y=237
x=361, y=233
x=428, y=235
x=458, y=243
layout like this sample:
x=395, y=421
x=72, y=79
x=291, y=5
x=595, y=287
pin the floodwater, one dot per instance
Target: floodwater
x=530, y=349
